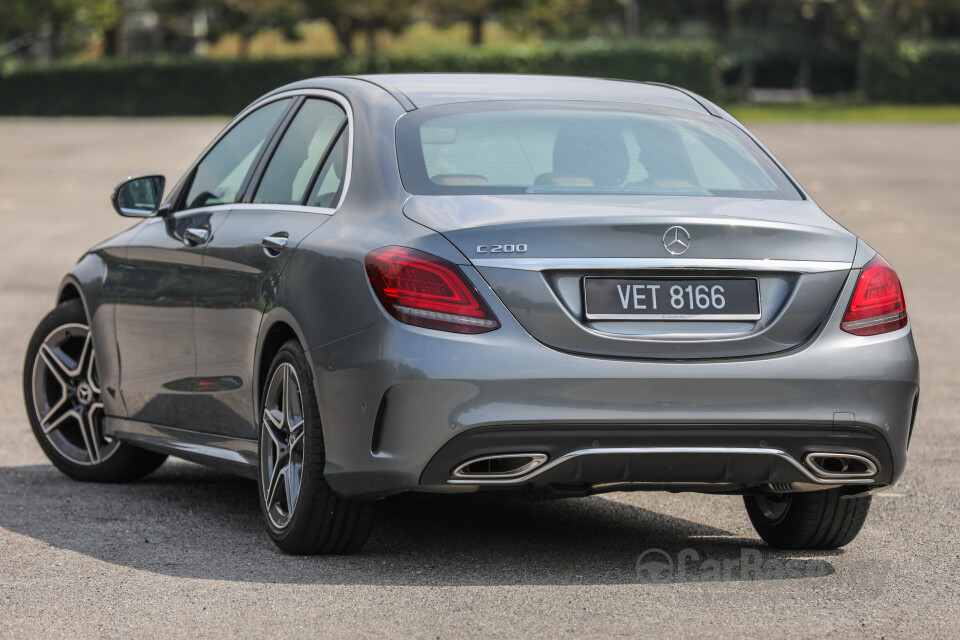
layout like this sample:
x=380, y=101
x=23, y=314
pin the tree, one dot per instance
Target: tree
x=18, y=17
x=562, y=18
x=474, y=12
x=351, y=17
x=64, y=18
x=245, y=18
x=878, y=22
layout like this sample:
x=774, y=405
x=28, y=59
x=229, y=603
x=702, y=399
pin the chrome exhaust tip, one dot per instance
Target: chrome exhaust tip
x=499, y=467
x=832, y=464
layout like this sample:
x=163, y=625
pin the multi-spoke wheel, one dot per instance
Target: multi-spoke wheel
x=303, y=514
x=66, y=396
x=62, y=390
x=281, y=445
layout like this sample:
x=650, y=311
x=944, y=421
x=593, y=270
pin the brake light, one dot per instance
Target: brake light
x=426, y=291
x=877, y=305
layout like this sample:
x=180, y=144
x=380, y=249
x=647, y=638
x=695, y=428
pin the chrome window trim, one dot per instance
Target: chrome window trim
x=248, y=206
x=578, y=264
x=251, y=206
x=778, y=453
x=214, y=208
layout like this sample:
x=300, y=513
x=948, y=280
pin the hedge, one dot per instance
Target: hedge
x=913, y=72
x=830, y=72
x=201, y=86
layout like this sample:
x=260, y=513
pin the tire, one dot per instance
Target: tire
x=63, y=401
x=808, y=520
x=303, y=514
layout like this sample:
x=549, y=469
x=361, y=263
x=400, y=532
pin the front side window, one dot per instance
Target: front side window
x=220, y=175
x=501, y=148
x=299, y=154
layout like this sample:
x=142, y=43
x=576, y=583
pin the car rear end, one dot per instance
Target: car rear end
x=693, y=323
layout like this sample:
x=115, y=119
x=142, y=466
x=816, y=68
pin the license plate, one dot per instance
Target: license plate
x=671, y=298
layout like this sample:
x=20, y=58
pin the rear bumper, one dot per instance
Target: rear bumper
x=401, y=406
x=734, y=457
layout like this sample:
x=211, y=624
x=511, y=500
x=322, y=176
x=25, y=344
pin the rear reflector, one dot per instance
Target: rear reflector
x=426, y=291
x=877, y=305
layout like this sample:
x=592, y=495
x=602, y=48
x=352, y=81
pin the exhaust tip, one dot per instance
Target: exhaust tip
x=832, y=464
x=499, y=467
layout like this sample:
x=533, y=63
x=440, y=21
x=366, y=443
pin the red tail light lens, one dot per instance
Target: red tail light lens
x=426, y=291
x=877, y=305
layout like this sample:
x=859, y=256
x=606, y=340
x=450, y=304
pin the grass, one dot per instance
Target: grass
x=842, y=111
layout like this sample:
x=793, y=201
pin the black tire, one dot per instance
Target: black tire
x=808, y=520
x=64, y=445
x=320, y=521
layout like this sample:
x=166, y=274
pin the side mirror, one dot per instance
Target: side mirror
x=139, y=196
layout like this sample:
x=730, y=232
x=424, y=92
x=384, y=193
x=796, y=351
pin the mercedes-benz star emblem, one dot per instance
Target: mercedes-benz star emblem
x=84, y=393
x=676, y=240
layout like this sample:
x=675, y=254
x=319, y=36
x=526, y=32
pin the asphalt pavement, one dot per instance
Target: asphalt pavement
x=183, y=552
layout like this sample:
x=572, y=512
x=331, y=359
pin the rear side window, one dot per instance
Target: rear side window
x=329, y=185
x=296, y=161
x=501, y=148
x=220, y=175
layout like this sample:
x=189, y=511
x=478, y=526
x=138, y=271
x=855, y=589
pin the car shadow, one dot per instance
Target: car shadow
x=189, y=521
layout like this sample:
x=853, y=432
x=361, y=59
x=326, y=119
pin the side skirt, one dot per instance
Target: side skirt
x=235, y=455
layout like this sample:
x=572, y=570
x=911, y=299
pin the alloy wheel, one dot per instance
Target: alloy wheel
x=66, y=396
x=281, y=445
x=773, y=506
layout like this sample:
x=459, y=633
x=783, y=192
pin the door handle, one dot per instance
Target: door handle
x=273, y=245
x=194, y=236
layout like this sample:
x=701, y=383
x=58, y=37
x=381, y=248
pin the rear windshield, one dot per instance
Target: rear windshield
x=507, y=148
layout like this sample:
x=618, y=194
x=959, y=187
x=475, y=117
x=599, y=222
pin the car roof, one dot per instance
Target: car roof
x=430, y=89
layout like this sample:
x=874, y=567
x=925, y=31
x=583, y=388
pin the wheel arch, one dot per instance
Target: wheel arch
x=85, y=282
x=277, y=327
x=71, y=289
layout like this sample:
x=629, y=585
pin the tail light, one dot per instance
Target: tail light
x=877, y=305
x=426, y=291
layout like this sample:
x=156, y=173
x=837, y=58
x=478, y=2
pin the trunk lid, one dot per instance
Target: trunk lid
x=536, y=250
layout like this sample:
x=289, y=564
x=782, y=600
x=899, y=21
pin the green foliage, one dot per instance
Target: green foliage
x=246, y=18
x=474, y=12
x=690, y=64
x=70, y=22
x=349, y=17
x=25, y=15
x=204, y=86
x=560, y=18
x=913, y=72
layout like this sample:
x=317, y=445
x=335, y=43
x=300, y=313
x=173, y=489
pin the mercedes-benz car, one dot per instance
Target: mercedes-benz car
x=373, y=285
